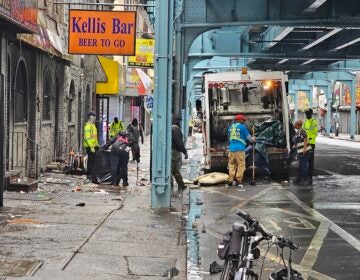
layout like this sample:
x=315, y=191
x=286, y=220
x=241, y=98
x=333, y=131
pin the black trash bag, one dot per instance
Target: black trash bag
x=269, y=134
x=101, y=173
x=215, y=268
x=224, y=246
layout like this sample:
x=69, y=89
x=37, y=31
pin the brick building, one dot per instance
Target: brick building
x=47, y=92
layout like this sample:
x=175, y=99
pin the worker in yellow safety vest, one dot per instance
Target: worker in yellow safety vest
x=90, y=142
x=311, y=128
x=116, y=127
x=238, y=135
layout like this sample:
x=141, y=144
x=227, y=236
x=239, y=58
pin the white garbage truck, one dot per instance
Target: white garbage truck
x=262, y=98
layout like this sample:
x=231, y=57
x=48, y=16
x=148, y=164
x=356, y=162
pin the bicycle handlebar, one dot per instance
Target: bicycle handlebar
x=253, y=223
x=279, y=240
x=284, y=242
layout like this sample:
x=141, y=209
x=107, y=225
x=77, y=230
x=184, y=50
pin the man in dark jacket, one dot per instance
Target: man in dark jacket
x=120, y=148
x=177, y=147
x=136, y=132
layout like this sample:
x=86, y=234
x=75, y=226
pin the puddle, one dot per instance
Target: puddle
x=193, y=266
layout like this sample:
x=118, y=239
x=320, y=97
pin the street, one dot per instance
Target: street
x=321, y=219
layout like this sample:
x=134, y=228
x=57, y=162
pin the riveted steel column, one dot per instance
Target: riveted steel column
x=161, y=137
x=178, y=60
x=352, y=86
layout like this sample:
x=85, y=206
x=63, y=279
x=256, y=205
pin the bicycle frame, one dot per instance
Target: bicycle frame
x=246, y=255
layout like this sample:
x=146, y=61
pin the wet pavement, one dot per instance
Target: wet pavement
x=115, y=235
x=323, y=219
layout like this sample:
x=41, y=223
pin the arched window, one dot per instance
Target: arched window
x=47, y=94
x=21, y=94
x=71, y=102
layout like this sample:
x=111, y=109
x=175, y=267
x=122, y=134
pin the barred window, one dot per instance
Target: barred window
x=47, y=94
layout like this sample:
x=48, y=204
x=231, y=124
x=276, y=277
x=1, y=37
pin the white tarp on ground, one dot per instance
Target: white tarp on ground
x=212, y=178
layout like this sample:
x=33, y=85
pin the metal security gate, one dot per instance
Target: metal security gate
x=102, y=109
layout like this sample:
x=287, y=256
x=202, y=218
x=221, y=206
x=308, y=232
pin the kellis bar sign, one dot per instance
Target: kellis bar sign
x=102, y=32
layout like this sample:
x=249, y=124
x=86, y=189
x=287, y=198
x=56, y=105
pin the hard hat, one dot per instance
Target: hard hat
x=91, y=114
x=240, y=117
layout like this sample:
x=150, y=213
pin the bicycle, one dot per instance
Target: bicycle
x=287, y=273
x=241, y=249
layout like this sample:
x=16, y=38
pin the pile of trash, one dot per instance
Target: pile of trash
x=269, y=134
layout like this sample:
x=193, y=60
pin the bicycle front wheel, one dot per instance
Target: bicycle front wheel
x=229, y=269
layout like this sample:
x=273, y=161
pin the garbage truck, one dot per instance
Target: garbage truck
x=262, y=98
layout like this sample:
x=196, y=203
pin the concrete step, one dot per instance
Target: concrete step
x=25, y=185
x=11, y=175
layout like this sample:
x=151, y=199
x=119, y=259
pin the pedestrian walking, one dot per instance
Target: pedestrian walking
x=238, y=135
x=177, y=147
x=120, y=148
x=116, y=127
x=90, y=142
x=135, y=132
x=310, y=126
x=303, y=149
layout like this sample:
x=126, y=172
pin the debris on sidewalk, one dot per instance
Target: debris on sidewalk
x=215, y=268
x=24, y=221
x=154, y=225
x=81, y=204
x=101, y=191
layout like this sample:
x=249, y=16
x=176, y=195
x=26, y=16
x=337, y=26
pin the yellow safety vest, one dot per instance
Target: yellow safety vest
x=235, y=134
x=90, y=136
x=311, y=128
x=115, y=128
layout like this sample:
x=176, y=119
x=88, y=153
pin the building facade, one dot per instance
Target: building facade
x=47, y=92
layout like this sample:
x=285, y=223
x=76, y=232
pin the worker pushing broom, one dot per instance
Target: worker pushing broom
x=238, y=135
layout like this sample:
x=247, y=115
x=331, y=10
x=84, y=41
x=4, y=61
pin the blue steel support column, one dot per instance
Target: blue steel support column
x=294, y=89
x=311, y=92
x=352, y=86
x=161, y=137
x=292, y=95
x=328, y=94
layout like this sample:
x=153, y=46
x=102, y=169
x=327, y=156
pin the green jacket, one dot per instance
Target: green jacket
x=115, y=128
x=90, y=136
x=311, y=128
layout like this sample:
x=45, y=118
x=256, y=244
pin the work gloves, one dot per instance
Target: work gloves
x=92, y=150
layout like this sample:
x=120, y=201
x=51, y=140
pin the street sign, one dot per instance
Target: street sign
x=102, y=32
x=149, y=103
x=144, y=54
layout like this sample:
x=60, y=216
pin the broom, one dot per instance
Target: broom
x=253, y=182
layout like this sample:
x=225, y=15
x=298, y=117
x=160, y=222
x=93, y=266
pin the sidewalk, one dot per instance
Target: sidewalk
x=341, y=140
x=44, y=235
x=344, y=136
